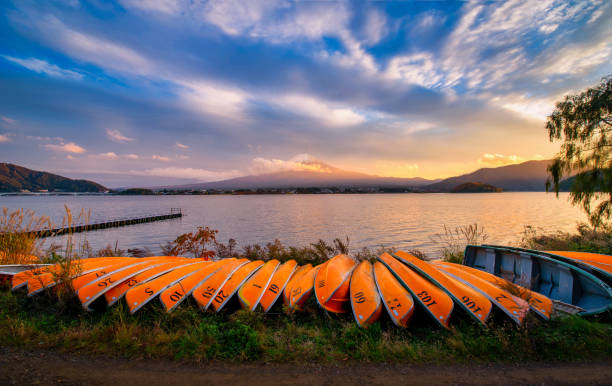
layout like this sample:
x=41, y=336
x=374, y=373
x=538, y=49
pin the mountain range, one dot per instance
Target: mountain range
x=310, y=174
x=527, y=176
x=15, y=178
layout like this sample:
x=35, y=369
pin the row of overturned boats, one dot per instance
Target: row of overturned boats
x=511, y=282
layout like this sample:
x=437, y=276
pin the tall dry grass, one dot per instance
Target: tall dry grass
x=452, y=241
x=19, y=241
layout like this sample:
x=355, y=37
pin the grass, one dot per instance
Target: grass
x=313, y=336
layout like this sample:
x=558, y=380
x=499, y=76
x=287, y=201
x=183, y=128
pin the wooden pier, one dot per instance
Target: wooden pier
x=174, y=213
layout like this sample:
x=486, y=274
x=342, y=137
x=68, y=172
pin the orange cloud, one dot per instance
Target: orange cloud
x=69, y=147
x=496, y=159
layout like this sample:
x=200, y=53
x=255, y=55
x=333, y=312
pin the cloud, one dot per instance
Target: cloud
x=376, y=27
x=576, y=59
x=110, y=155
x=132, y=156
x=89, y=48
x=236, y=17
x=419, y=69
x=490, y=159
x=39, y=138
x=69, y=147
x=160, y=158
x=115, y=135
x=319, y=109
x=490, y=40
x=526, y=105
x=8, y=120
x=4, y=138
x=43, y=67
x=163, y=6
x=181, y=146
x=214, y=99
x=300, y=162
x=193, y=173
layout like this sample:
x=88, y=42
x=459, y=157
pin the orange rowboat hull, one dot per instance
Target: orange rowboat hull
x=277, y=284
x=140, y=295
x=303, y=288
x=365, y=300
x=332, y=284
x=516, y=308
x=174, y=295
x=251, y=292
x=301, y=271
x=539, y=303
x=472, y=301
x=208, y=290
x=437, y=303
x=116, y=293
x=397, y=299
x=99, y=286
x=233, y=284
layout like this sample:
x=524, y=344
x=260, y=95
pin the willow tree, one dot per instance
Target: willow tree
x=584, y=123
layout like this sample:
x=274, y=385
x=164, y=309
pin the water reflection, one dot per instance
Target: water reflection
x=369, y=220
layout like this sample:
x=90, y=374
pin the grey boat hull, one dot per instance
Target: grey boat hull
x=556, y=279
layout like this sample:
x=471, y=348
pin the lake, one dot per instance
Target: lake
x=369, y=220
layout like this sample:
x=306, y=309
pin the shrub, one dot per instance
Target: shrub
x=587, y=239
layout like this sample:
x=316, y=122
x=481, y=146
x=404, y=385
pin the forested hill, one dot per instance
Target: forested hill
x=526, y=176
x=15, y=178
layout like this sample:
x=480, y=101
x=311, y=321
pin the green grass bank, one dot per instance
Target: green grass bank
x=312, y=336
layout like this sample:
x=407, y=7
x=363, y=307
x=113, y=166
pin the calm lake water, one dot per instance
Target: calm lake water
x=369, y=220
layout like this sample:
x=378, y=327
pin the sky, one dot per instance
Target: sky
x=161, y=91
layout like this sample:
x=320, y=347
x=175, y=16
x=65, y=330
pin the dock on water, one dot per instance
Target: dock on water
x=174, y=213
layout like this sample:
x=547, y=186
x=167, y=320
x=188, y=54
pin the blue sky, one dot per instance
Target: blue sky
x=161, y=91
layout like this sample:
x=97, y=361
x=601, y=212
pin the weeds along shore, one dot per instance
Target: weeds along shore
x=58, y=322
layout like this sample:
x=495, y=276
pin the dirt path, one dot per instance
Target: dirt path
x=43, y=367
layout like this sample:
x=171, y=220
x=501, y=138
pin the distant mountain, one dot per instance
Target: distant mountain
x=14, y=178
x=475, y=187
x=310, y=174
x=526, y=176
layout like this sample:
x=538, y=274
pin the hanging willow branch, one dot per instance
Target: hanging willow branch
x=584, y=123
